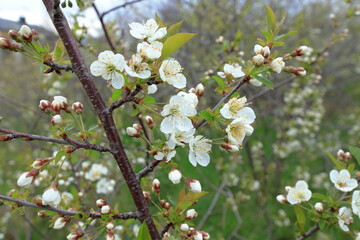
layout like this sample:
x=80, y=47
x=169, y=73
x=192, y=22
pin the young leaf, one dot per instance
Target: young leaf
x=355, y=151
x=219, y=81
x=334, y=160
x=174, y=29
x=116, y=94
x=282, y=36
x=270, y=19
x=300, y=217
x=59, y=51
x=159, y=21
x=144, y=233
x=206, y=115
x=173, y=43
x=265, y=81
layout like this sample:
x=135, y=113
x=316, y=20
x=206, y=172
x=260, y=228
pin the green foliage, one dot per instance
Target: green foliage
x=173, y=43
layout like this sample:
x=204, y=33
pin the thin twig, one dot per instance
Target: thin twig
x=309, y=233
x=107, y=36
x=148, y=169
x=166, y=228
x=118, y=7
x=22, y=203
x=130, y=97
x=28, y=137
x=59, y=67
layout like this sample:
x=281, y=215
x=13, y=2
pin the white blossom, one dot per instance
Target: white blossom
x=180, y=137
x=67, y=197
x=26, y=179
x=231, y=70
x=109, y=66
x=175, y=176
x=237, y=130
x=170, y=72
x=51, y=196
x=150, y=51
x=152, y=89
x=345, y=218
x=106, y=209
x=184, y=227
x=237, y=108
x=194, y=185
x=149, y=31
x=191, y=213
x=177, y=113
x=137, y=68
x=96, y=172
x=355, y=203
x=59, y=223
x=258, y=59
x=198, y=235
x=105, y=186
x=199, y=151
x=277, y=65
x=343, y=180
x=299, y=193
x=264, y=51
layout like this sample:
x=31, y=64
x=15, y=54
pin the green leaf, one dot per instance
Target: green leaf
x=219, y=81
x=322, y=225
x=270, y=19
x=59, y=155
x=355, y=151
x=135, y=112
x=351, y=167
x=206, y=115
x=144, y=233
x=282, y=36
x=300, y=216
x=159, y=21
x=173, y=43
x=334, y=160
x=148, y=100
x=59, y=51
x=116, y=94
x=174, y=29
x=265, y=81
x=188, y=199
x=319, y=196
x=278, y=44
x=267, y=35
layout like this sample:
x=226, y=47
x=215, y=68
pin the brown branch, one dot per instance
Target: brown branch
x=118, y=7
x=22, y=203
x=226, y=97
x=130, y=97
x=149, y=168
x=107, y=36
x=59, y=67
x=166, y=228
x=28, y=137
x=106, y=118
x=309, y=233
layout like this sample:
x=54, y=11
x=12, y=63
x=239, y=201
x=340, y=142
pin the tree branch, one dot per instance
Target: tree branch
x=118, y=7
x=106, y=118
x=309, y=233
x=29, y=137
x=22, y=203
x=59, y=67
x=166, y=228
x=149, y=168
x=130, y=97
x=107, y=36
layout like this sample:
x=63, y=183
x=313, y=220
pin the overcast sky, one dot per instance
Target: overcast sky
x=35, y=13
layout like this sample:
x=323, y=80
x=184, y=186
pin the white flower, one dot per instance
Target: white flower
x=191, y=213
x=357, y=236
x=137, y=68
x=264, y=51
x=26, y=179
x=175, y=176
x=319, y=207
x=177, y=113
x=149, y=31
x=231, y=70
x=67, y=197
x=355, y=203
x=150, y=51
x=180, y=137
x=342, y=180
x=170, y=72
x=109, y=66
x=237, y=108
x=152, y=89
x=255, y=82
x=105, y=186
x=258, y=59
x=237, y=130
x=299, y=193
x=198, y=236
x=51, y=196
x=59, y=223
x=194, y=185
x=345, y=218
x=184, y=227
x=277, y=65
x=166, y=153
x=96, y=172
x=106, y=209
x=199, y=151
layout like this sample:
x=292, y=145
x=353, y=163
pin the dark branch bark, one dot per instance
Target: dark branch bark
x=28, y=137
x=22, y=203
x=107, y=36
x=105, y=116
x=166, y=228
x=309, y=233
x=148, y=169
x=130, y=97
x=118, y=7
x=59, y=67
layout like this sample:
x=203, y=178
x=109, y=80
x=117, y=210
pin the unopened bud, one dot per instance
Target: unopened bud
x=106, y=209
x=147, y=196
x=40, y=162
x=56, y=119
x=167, y=205
x=347, y=156
x=132, y=132
x=14, y=35
x=100, y=203
x=300, y=51
x=110, y=236
x=190, y=214
x=166, y=214
x=184, y=227
x=319, y=207
x=156, y=186
x=35, y=34
x=258, y=59
x=287, y=188
x=149, y=121
x=193, y=185
x=166, y=235
x=59, y=103
x=42, y=214
x=175, y=176
x=80, y=196
x=5, y=43
x=299, y=71
x=230, y=147
x=199, y=90
x=162, y=203
x=78, y=107
x=281, y=199
x=341, y=154
x=60, y=223
x=45, y=106
x=110, y=226
x=27, y=178
x=5, y=137
x=138, y=127
x=192, y=90
x=75, y=235
x=25, y=33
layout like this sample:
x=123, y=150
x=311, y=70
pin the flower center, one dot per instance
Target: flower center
x=342, y=184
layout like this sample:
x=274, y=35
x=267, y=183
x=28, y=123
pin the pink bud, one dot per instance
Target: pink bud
x=14, y=35
x=42, y=214
x=78, y=107
x=190, y=214
x=25, y=33
x=100, y=203
x=75, y=235
x=156, y=186
x=199, y=90
x=149, y=121
x=193, y=185
x=5, y=43
x=27, y=178
x=45, y=106
x=110, y=236
x=147, y=196
x=59, y=103
x=106, y=209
